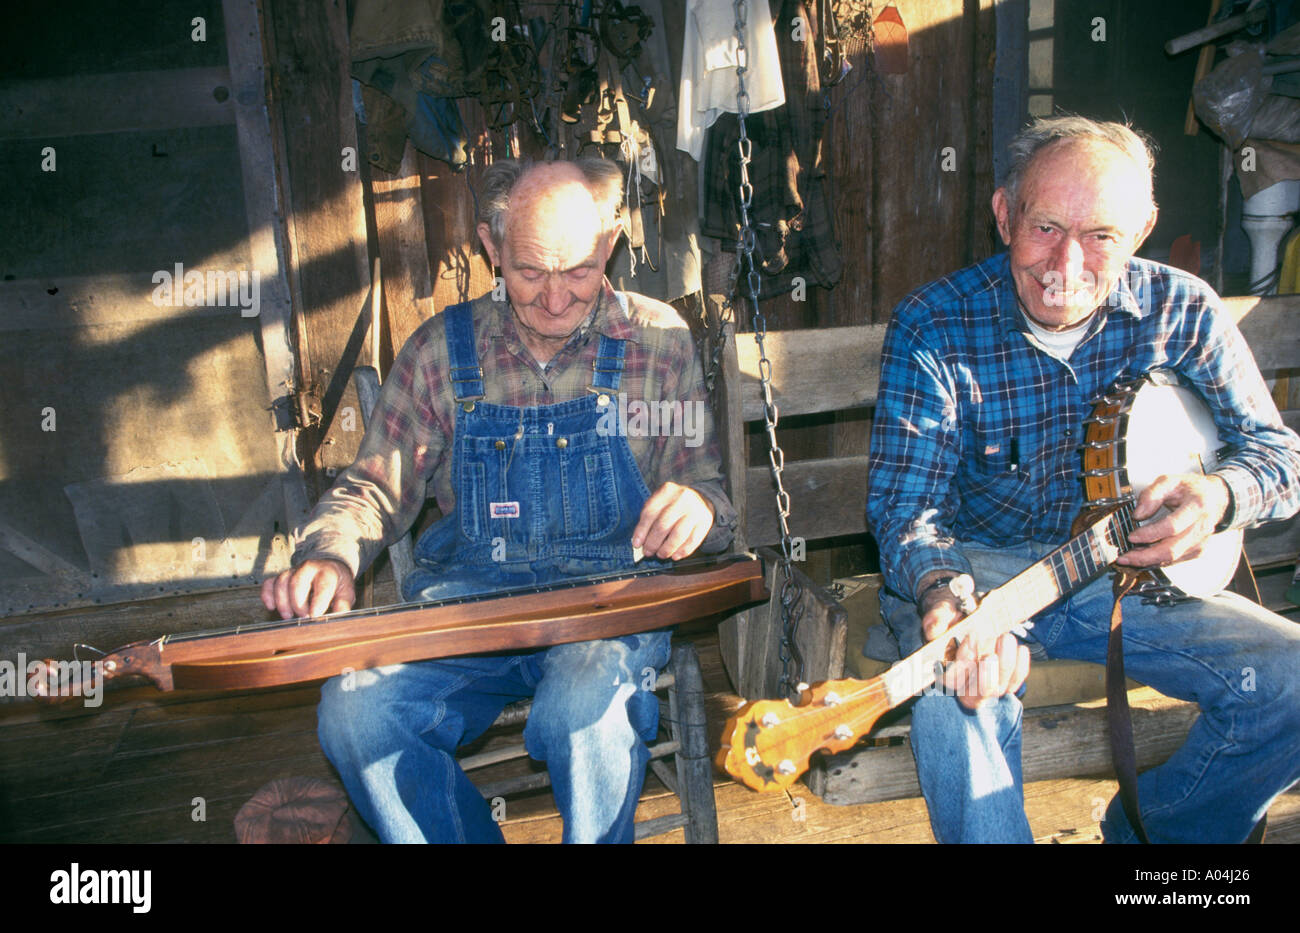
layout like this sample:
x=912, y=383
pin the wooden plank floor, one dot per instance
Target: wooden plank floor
x=146, y=766
x=1060, y=812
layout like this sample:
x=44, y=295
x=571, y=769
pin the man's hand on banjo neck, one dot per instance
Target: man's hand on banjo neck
x=987, y=669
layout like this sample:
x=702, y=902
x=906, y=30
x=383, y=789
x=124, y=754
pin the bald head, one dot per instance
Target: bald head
x=509, y=179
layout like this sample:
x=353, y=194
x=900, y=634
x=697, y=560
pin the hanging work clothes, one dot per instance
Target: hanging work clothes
x=411, y=64
x=790, y=210
x=672, y=267
x=709, y=58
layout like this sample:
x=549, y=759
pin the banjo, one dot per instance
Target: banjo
x=1138, y=432
x=1135, y=433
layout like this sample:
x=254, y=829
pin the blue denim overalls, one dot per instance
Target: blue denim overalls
x=542, y=494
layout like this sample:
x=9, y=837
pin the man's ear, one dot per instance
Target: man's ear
x=1146, y=231
x=485, y=237
x=1002, y=212
x=611, y=236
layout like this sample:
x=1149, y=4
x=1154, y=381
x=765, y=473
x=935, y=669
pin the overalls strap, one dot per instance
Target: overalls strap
x=466, y=374
x=608, y=367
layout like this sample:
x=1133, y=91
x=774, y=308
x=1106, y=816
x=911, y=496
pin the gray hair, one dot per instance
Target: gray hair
x=1044, y=131
x=604, y=180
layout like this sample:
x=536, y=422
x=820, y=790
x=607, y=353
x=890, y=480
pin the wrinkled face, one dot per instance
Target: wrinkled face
x=1084, y=209
x=553, y=255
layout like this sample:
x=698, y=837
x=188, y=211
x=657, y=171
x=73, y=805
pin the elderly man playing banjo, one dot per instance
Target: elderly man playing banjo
x=988, y=376
x=498, y=406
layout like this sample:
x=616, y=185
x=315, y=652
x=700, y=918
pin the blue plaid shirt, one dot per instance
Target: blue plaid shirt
x=977, y=428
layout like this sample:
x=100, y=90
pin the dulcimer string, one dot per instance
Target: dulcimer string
x=380, y=611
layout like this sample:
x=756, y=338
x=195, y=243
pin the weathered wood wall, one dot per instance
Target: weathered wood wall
x=138, y=454
x=910, y=175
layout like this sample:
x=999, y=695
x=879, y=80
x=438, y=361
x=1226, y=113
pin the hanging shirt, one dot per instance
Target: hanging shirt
x=710, y=54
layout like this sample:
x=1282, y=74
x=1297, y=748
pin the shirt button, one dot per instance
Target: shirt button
x=1069, y=433
x=562, y=442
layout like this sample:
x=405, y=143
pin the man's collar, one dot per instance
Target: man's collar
x=607, y=317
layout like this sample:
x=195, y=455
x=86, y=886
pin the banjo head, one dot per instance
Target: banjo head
x=1169, y=429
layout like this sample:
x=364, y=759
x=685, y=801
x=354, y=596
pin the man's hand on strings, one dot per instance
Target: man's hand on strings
x=311, y=589
x=1196, y=504
x=985, y=668
x=673, y=523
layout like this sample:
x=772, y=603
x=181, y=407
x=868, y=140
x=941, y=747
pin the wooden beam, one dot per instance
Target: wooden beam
x=835, y=368
x=263, y=208
x=828, y=497
x=813, y=370
x=123, y=102
x=461, y=269
x=32, y=553
x=325, y=218
x=399, y=219
x=1059, y=742
x=1271, y=325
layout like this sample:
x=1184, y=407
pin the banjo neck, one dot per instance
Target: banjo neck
x=767, y=744
x=1065, y=570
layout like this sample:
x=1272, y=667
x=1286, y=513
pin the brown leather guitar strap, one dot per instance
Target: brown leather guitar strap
x=1123, y=754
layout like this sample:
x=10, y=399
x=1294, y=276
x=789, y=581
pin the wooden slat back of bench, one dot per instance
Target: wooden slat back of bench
x=837, y=368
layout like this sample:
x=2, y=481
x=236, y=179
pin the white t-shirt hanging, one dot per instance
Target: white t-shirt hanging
x=709, y=58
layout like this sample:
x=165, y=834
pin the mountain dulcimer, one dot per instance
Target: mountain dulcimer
x=266, y=654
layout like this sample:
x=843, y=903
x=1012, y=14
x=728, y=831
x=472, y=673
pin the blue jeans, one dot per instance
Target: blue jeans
x=543, y=495
x=1239, y=662
x=392, y=732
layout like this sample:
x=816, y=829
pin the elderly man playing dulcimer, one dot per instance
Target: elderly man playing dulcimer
x=499, y=408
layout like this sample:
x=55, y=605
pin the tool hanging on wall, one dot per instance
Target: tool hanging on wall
x=890, y=41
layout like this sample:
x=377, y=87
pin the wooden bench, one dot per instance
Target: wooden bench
x=837, y=369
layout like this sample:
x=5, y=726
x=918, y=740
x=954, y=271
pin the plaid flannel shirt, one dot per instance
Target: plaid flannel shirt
x=407, y=447
x=977, y=429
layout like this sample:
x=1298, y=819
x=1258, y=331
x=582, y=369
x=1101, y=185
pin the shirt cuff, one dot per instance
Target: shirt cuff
x=724, y=518
x=916, y=565
x=323, y=546
x=1244, y=501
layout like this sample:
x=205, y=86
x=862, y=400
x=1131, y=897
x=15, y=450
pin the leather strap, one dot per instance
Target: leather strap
x=1118, y=716
x=1123, y=754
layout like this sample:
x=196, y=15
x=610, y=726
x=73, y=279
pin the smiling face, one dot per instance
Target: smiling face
x=1084, y=209
x=553, y=255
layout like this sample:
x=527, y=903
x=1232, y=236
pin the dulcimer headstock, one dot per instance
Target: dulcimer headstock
x=768, y=744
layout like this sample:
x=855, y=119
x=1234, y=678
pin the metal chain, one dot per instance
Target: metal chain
x=745, y=271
